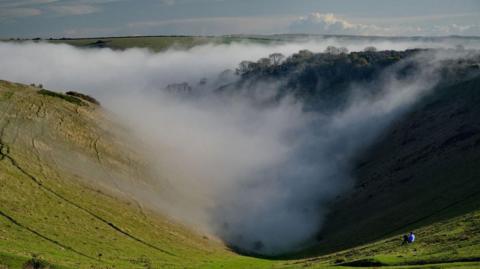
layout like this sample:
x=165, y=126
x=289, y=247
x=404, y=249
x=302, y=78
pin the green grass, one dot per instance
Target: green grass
x=6, y=95
x=56, y=159
x=456, y=240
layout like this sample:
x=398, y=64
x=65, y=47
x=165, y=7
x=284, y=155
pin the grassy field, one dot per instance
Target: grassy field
x=58, y=204
x=158, y=43
x=161, y=43
x=154, y=43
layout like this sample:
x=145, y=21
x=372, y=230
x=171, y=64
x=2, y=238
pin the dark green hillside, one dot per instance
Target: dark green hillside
x=425, y=169
x=423, y=172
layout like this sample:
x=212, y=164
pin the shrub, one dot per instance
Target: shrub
x=6, y=96
x=37, y=86
x=85, y=97
x=67, y=98
x=37, y=263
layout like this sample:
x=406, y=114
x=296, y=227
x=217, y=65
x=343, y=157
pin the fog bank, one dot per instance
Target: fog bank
x=259, y=177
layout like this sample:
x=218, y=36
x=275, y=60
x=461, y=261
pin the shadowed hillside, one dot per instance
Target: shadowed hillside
x=421, y=173
x=424, y=169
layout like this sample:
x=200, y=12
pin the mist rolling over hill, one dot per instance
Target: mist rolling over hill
x=269, y=149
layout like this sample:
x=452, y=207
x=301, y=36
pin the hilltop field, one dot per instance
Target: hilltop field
x=162, y=43
x=156, y=43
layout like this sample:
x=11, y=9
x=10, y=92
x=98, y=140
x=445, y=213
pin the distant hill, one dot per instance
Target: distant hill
x=157, y=43
x=165, y=42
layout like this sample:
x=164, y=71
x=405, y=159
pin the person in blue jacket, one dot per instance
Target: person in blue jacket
x=408, y=238
x=411, y=238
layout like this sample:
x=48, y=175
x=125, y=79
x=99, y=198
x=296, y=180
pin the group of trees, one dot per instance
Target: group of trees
x=183, y=87
x=313, y=76
x=40, y=86
x=275, y=60
x=335, y=51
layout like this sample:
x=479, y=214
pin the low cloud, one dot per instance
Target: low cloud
x=259, y=177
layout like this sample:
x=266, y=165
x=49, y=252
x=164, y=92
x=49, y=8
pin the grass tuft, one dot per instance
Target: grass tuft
x=37, y=263
x=5, y=96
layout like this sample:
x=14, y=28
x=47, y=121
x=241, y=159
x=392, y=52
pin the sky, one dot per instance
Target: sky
x=93, y=18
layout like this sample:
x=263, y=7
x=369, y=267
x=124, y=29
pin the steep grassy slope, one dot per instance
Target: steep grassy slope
x=425, y=169
x=445, y=244
x=56, y=156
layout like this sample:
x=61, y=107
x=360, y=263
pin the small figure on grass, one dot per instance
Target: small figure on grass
x=408, y=238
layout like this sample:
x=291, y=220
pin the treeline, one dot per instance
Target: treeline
x=325, y=79
x=318, y=77
x=277, y=59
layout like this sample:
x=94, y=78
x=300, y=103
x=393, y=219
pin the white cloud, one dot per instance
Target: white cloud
x=22, y=8
x=212, y=25
x=167, y=2
x=25, y=8
x=75, y=9
x=18, y=12
x=455, y=29
x=331, y=24
x=23, y=3
x=328, y=23
x=89, y=32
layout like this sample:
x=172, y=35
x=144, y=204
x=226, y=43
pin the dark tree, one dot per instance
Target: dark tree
x=276, y=58
x=335, y=51
x=243, y=67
